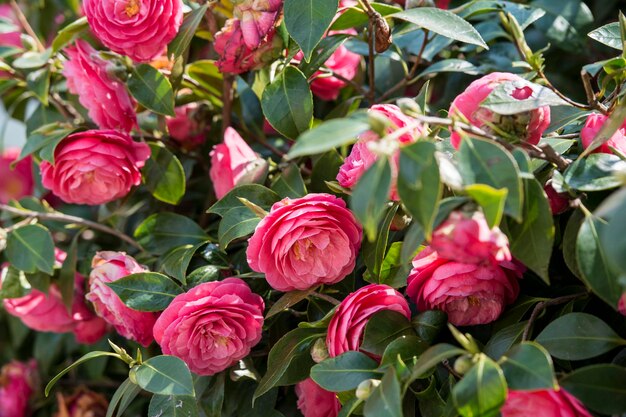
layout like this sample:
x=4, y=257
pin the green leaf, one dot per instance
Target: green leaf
x=187, y=30
x=44, y=141
x=125, y=392
x=164, y=175
x=162, y=232
x=236, y=223
x=383, y=328
x=146, y=291
x=371, y=195
x=612, y=236
x=328, y=136
x=151, y=89
x=406, y=347
x=451, y=65
x=30, y=248
x=290, y=183
x=523, y=13
x=31, y=60
x=485, y=162
x=502, y=101
x=83, y=359
x=344, y=372
x=172, y=406
x=69, y=33
x=428, y=324
x=444, y=23
x=308, y=20
x=256, y=194
x=392, y=272
x=207, y=273
x=287, y=300
x=504, y=339
x=292, y=349
x=176, y=261
x=593, y=263
x=602, y=388
x=528, y=366
x=164, y=375
x=288, y=103
x=482, y=390
x=595, y=172
x=355, y=16
x=386, y=399
x=14, y=283
x=374, y=252
x=608, y=35
x=577, y=336
x=323, y=52
x=38, y=82
x=419, y=183
x=432, y=357
x=532, y=240
x=491, y=200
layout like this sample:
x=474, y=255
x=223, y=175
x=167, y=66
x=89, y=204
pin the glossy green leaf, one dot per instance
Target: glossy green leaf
x=501, y=100
x=164, y=175
x=407, y=347
x=83, y=359
x=386, y=399
x=187, y=30
x=355, y=16
x=428, y=324
x=176, y=261
x=30, y=249
x=504, y=339
x=482, y=390
x=14, y=283
x=609, y=35
x=146, y=291
x=323, y=52
x=164, y=375
x=162, y=232
x=594, y=173
x=432, y=357
x=612, y=236
x=383, y=328
x=287, y=300
x=290, y=183
x=38, y=82
x=328, y=135
x=528, y=366
x=236, y=223
x=172, y=406
x=344, y=372
x=151, y=89
x=308, y=20
x=124, y=392
x=371, y=195
x=256, y=194
x=490, y=199
x=374, y=252
x=451, y=65
x=69, y=33
x=523, y=13
x=44, y=140
x=602, y=387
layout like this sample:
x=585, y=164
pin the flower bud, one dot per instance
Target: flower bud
x=409, y=106
x=463, y=364
x=319, y=351
x=365, y=388
x=378, y=122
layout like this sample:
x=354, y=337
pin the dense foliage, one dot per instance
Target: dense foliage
x=316, y=207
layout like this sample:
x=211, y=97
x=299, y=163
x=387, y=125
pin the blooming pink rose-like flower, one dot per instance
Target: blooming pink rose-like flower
x=17, y=385
x=257, y=18
x=527, y=126
x=468, y=239
x=361, y=158
x=140, y=29
x=13, y=38
x=591, y=129
x=305, y=242
x=109, y=267
x=233, y=163
x=95, y=167
x=185, y=127
x=104, y=96
x=18, y=182
x=621, y=305
x=543, y=403
x=236, y=57
x=470, y=294
x=212, y=326
x=345, y=331
x=314, y=401
x=559, y=202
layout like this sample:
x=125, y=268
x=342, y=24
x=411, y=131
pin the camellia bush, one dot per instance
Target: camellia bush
x=313, y=207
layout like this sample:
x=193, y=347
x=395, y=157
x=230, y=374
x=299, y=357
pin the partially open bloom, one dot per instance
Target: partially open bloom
x=305, y=242
x=17, y=385
x=559, y=202
x=233, y=163
x=140, y=29
x=525, y=127
x=104, y=96
x=468, y=239
x=185, y=127
x=18, y=182
x=543, y=403
x=314, y=401
x=212, y=326
x=345, y=331
x=591, y=129
x=83, y=403
x=257, y=18
x=469, y=293
x=131, y=324
x=95, y=167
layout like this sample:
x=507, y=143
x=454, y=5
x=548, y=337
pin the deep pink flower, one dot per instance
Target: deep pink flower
x=527, y=126
x=257, y=18
x=468, y=239
x=17, y=385
x=469, y=293
x=621, y=305
x=543, y=403
x=233, y=163
x=305, y=242
x=345, y=331
x=559, y=202
x=95, y=167
x=314, y=401
x=131, y=324
x=212, y=326
x=13, y=38
x=104, y=96
x=185, y=127
x=140, y=29
x=592, y=128
x=18, y=182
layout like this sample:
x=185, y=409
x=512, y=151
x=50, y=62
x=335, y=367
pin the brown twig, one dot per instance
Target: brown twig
x=540, y=307
x=27, y=27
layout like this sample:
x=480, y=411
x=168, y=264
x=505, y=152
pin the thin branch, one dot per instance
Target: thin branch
x=27, y=27
x=325, y=297
x=540, y=307
x=65, y=218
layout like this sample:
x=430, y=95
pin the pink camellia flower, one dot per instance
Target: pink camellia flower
x=345, y=331
x=314, y=401
x=591, y=129
x=236, y=57
x=257, y=18
x=104, y=96
x=543, y=403
x=131, y=324
x=185, y=127
x=559, y=202
x=468, y=239
x=361, y=158
x=95, y=167
x=17, y=385
x=13, y=38
x=82, y=403
x=140, y=29
x=305, y=242
x=18, y=182
x=528, y=127
x=212, y=326
x=621, y=305
x=469, y=293
x=233, y=163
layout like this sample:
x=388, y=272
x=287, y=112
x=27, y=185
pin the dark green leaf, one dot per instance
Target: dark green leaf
x=428, y=324
x=287, y=300
x=374, y=252
x=164, y=175
x=207, y=273
x=432, y=357
x=176, y=261
x=602, y=388
x=236, y=223
x=355, y=16
x=162, y=232
x=609, y=35
x=482, y=390
x=151, y=89
x=344, y=372
x=323, y=52
x=172, y=406
x=406, y=347
x=451, y=65
x=371, y=195
x=187, y=30
x=14, y=283
x=83, y=359
x=524, y=14
x=328, y=135
x=504, y=339
x=164, y=375
x=44, y=140
x=383, y=328
x=69, y=33
x=308, y=20
x=612, y=236
x=502, y=101
x=290, y=183
x=146, y=291
x=125, y=390
x=256, y=194
x=528, y=366
x=594, y=173
x=38, y=82
x=386, y=400
x=30, y=249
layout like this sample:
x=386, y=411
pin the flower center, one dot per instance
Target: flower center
x=132, y=8
x=473, y=301
x=301, y=249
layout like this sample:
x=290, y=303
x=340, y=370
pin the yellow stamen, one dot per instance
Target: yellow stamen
x=132, y=8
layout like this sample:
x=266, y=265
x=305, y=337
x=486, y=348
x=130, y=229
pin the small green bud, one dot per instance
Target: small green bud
x=366, y=388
